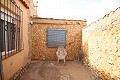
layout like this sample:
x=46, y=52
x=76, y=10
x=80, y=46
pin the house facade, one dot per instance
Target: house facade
x=14, y=22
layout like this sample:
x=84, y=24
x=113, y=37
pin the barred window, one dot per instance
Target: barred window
x=56, y=37
x=1, y=35
x=11, y=24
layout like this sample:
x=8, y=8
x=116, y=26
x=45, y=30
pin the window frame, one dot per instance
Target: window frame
x=11, y=17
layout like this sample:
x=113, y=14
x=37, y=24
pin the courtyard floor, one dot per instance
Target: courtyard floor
x=49, y=70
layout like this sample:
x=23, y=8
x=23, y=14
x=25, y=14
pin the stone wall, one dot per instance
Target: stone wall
x=101, y=46
x=38, y=38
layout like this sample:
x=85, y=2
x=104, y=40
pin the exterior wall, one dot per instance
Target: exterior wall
x=38, y=41
x=12, y=64
x=32, y=9
x=101, y=46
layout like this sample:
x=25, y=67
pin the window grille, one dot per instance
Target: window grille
x=11, y=24
x=56, y=37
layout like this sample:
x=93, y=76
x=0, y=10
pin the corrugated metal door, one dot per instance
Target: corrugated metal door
x=56, y=37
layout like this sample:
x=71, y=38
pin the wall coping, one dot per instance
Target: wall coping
x=56, y=21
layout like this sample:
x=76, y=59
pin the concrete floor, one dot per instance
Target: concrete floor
x=49, y=70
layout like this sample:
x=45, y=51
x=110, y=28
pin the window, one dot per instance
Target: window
x=56, y=37
x=1, y=36
x=11, y=21
x=11, y=36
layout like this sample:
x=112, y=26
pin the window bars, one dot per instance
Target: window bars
x=11, y=28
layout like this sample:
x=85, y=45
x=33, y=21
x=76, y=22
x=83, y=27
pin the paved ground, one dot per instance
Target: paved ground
x=49, y=70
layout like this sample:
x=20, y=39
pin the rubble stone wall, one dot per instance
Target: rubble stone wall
x=101, y=46
x=38, y=40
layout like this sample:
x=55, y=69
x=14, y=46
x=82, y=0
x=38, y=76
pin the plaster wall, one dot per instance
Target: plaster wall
x=12, y=64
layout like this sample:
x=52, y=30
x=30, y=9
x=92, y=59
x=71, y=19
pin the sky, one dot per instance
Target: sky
x=90, y=10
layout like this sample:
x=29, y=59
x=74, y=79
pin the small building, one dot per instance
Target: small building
x=46, y=34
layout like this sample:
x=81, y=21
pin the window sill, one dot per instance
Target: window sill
x=9, y=54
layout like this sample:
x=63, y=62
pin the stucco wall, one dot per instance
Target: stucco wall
x=12, y=64
x=101, y=46
x=38, y=47
x=32, y=8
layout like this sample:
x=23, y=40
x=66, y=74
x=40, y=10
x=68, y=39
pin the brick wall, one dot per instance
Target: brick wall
x=101, y=46
x=38, y=38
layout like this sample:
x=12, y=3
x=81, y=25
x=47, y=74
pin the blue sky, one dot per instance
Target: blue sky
x=90, y=10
